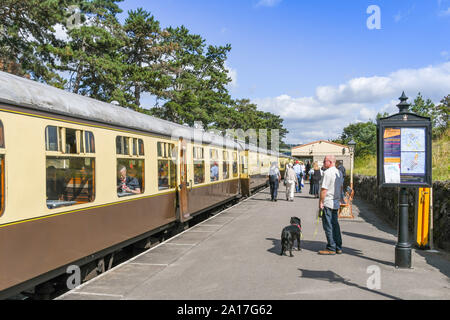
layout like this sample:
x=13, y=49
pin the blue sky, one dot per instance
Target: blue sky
x=316, y=63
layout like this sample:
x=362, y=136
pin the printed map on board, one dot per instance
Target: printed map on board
x=413, y=139
x=413, y=162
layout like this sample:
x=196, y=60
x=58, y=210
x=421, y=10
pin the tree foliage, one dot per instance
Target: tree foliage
x=26, y=31
x=438, y=113
x=365, y=136
x=365, y=133
x=104, y=59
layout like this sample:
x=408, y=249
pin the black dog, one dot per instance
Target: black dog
x=290, y=234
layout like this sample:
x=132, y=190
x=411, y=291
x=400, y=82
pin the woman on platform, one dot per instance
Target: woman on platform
x=315, y=180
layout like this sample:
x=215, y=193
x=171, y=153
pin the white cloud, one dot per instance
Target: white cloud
x=268, y=3
x=324, y=115
x=232, y=73
x=444, y=13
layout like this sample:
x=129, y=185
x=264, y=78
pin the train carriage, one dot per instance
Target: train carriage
x=82, y=178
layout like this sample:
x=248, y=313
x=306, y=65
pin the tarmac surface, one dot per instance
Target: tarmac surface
x=236, y=255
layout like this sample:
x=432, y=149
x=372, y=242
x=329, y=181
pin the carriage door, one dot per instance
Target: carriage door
x=183, y=187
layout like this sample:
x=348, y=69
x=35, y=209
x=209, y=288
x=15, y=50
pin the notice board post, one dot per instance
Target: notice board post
x=404, y=161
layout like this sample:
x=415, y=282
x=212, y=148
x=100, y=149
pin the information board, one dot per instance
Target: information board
x=404, y=155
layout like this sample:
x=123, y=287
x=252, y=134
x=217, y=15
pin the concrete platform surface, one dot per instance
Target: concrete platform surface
x=236, y=255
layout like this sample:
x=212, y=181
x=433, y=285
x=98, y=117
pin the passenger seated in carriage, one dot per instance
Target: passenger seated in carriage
x=215, y=172
x=126, y=183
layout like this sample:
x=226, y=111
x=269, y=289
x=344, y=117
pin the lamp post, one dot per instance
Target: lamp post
x=351, y=145
x=346, y=209
x=403, y=246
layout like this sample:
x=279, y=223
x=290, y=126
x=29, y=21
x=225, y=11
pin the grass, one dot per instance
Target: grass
x=440, y=157
x=366, y=166
x=440, y=160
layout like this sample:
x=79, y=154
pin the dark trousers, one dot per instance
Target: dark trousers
x=273, y=182
x=332, y=230
x=298, y=187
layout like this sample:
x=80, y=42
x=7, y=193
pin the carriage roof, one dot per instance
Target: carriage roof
x=34, y=95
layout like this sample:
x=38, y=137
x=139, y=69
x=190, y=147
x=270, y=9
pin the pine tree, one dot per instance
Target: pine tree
x=437, y=113
x=145, y=52
x=91, y=56
x=26, y=32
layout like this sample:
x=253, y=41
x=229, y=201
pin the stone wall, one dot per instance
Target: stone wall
x=386, y=200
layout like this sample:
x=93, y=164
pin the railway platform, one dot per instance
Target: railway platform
x=236, y=255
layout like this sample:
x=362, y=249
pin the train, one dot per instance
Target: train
x=81, y=178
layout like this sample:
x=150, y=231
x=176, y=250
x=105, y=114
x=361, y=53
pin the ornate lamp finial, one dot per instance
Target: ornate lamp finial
x=403, y=106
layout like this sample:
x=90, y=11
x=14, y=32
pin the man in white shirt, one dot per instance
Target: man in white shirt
x=298, y=171
x=274, y=180
x=329, y=202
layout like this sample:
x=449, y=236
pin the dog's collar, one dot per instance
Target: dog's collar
x=298, y=226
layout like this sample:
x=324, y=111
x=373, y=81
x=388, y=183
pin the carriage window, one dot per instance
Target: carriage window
x=75, y=141
x=225, y=168
x=235, y=164
x=2, y=182
x=244, y=165
x=71, y=141
x=70, y=181
x=2, y=171
x=199, y=165
x=2, y=139
x=167, y=178
x=126, y=144
x=89, y=142
x=51, y=138
x=130, y=171
x=130, y=177
x=214, y=164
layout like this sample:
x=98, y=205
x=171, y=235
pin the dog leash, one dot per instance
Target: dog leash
x=319, y=215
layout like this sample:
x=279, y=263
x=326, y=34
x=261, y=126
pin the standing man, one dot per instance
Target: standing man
x=330, y=199
x=274, y=180
x=298, y=172
x=340, y=167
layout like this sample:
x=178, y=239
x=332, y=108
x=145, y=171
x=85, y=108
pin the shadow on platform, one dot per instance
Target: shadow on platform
x=370, y=238
x=333, y=277
x=371, y=214
x=315, y=246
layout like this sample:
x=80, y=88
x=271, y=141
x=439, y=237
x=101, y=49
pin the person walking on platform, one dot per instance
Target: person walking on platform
x=274, y=180
x=291, y=181
x=315, y=177
x=307, y=168
x=340, y=167
x=329, y=201
x=298, y=171
x=310, y=174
